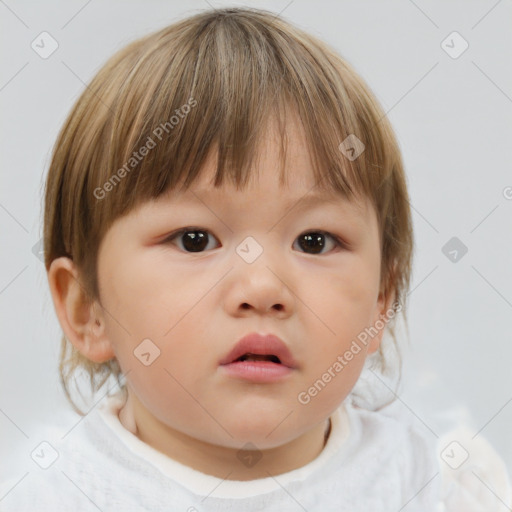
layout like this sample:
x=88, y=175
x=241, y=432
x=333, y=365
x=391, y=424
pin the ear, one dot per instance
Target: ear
x=81, y=319
x=381, y=318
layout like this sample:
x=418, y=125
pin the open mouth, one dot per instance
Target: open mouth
x=258, y=357
x=258, y=368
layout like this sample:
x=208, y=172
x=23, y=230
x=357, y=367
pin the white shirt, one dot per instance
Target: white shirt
x=372, y=461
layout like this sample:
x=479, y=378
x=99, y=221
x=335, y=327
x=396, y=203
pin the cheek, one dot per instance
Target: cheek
x=179, y=373
x=167, y=309
x=344, y=307
x=165, y=370
x=330, y=383
x=146, y=299
x=346, y=301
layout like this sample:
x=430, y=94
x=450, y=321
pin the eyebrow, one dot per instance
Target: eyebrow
x=314, y=199
x=308, y=199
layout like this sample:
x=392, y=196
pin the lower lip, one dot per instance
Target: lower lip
x=257, y=371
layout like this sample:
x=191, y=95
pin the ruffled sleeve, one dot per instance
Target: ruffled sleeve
x=473, y=476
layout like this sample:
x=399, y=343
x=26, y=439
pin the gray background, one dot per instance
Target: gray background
x=453, y=119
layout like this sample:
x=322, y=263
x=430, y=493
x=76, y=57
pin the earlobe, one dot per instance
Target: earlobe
x=380, y=321
x=375, y=342
x=80, y=317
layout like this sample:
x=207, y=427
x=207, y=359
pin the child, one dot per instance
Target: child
x=227, y=233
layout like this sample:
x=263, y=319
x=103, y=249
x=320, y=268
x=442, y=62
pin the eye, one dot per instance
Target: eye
x=193, y=239
x=315, y=241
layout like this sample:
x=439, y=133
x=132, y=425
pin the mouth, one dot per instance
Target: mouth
x=260, y=348
x=258, y=369
x=258, y=357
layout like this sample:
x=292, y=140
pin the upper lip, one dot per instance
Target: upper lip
x=261, y=344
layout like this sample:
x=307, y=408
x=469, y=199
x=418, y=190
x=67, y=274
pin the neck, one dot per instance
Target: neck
x=221, y=461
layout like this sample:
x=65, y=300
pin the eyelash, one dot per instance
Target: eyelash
x=339, y=244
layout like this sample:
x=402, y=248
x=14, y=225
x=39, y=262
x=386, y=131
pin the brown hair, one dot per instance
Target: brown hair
x=210, y=82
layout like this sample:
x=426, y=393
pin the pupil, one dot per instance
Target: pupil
x=313, y=241
x=195, y=241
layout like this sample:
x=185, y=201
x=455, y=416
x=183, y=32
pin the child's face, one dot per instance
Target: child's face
x=195, y=306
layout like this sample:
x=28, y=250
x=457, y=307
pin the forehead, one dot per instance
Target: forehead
x=270, y=207
x=286, y=198
x=300, y=187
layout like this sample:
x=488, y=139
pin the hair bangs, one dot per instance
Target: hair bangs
x=217, y=91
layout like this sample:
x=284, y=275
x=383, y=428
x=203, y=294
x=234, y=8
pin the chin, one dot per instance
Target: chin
x=264, y=436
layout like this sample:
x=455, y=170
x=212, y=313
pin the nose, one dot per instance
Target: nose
x=261, y=287
x=276, y=307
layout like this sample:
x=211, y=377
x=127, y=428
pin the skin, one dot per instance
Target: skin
x=196, y=306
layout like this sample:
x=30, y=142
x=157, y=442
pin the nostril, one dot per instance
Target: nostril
x=278, y=307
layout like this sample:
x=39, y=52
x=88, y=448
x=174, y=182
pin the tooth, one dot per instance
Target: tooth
x=258, y=357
